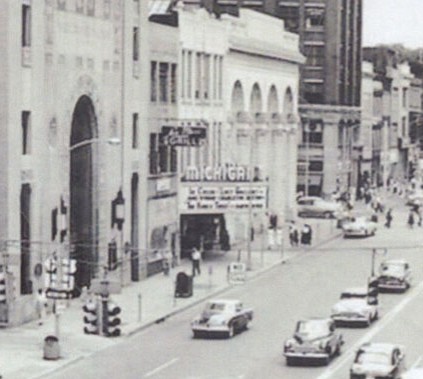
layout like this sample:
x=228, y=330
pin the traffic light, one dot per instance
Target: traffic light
x=91, y=317
x=68, y=273
x=51, y=271
x=3, y=288
x=110, y=319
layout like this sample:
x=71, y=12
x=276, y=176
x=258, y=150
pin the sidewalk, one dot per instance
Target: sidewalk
x=143, y=304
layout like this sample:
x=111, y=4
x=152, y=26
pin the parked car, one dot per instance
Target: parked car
x=313, y=206
x=356, y=306
x=394, y=275
x=378, y=360
x=359, y=226
x=222, y=317
x=314, y=339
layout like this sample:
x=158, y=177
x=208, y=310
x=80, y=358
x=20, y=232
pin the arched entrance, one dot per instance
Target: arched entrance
x=83, y=192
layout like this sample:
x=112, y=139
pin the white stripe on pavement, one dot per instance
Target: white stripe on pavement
x=348, y=355
x=162, y=367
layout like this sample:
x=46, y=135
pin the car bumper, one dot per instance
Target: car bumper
x=305, y=355
x=355, y=233
x=210, y=329
x=392, y=286
x=352, y=318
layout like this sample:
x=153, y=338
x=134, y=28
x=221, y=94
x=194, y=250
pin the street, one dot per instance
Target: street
x=305, y=287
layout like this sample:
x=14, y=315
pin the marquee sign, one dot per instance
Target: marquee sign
x=222, y=197
x=183, y=136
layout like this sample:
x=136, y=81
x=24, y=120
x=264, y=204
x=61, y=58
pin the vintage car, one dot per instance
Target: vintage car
x=356, y=306
x=415, y=198
x=222, y=317
x=378, y=360
x=394, y=275
x=314, y=339
x=313, y=206
x=361, y=226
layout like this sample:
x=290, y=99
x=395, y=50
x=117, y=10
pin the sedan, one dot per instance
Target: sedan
x=313, y=206
x=222, y=317
x=394, y=275
x=378, y=360
x=314, y=339
x=359, y=227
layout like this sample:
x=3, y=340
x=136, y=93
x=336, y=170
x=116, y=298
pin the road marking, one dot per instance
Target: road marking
x=376, y=329
x=162, y=367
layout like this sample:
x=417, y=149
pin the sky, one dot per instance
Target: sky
x=393, y=21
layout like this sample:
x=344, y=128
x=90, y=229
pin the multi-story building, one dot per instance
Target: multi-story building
x=73, y=100
x=330, y=38
x=235, y=122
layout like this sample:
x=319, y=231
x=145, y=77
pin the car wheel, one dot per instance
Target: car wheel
x=376, y=316
x=290, y=361
x=326, y=360
x=338, y=350
x=368, y=321
x=196, y=334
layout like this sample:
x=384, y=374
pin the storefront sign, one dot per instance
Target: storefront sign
x=183, y=136
x=208, y=198
x=221, y=173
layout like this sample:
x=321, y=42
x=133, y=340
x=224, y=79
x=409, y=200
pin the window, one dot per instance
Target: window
x=163, y=82
x=183, y=65
x=173, y=83
x=189, y=75
x=220, y=78
x=79, y=6
x=61, y=5
x=135, y=44
x=404, y=97
x=90, y=7
x=206, y=77
x=26, y=132
x=316, y=166
x=153, y=81
x=198, y=76
x=215, y=60
x=26, y=24
x=315, y=18
x=315, y=55
x=135, y=131
x=163, y=158
x=404, y=126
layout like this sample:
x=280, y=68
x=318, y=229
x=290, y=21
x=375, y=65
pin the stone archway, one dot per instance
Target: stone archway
x=83, y=191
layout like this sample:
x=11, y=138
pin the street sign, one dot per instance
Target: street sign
x=237, y=273
x=105, y=287
x=55, y=294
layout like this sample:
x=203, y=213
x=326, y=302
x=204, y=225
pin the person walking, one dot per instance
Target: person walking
x=196, y=258
x=388, y=218
x=410, y=220
x=293, y=234
x=41, y=306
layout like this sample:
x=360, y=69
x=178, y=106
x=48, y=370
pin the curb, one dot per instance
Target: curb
x=47, y=372
x=224, y=288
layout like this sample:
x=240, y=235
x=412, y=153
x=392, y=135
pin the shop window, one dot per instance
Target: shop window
x=26, y=24
x=135, y=131
x=135, y=43
x=153, y=81
x=173, y=83
x=26, y=132
x=163, y=82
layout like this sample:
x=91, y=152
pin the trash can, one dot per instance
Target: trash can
x=51, y=348
x=183, y=285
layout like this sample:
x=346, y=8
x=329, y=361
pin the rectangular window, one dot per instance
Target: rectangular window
x=220, y=78
x=26, y=132
x=26, y=24
x=153, y=154
x=206, y=77
x=404, y=97
x=163, y=82
x=189, y=75
x=135, y=44
x=182, y=69
x=163, y=155
x=198, y=75
x=153, y=81
x=135, y=131
x=173, y=83
x=173, y=159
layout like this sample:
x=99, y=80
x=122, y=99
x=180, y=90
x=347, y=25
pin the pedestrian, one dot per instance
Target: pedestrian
x=306, y=235
x=388, y=218
x=410, y=220
x=293, y=234
x=41, y=306
x=196, y=258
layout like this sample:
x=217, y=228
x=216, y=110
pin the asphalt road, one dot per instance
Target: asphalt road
x=306, y=286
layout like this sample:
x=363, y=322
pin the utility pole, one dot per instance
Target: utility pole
x=250, y=210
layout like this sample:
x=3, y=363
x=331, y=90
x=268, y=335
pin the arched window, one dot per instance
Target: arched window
x=256, y=105
x=272, y=101
x=237, y=100
x=288, y=105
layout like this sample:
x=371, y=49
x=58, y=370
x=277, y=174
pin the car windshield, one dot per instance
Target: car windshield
x=216, y=307
x=313, y=328
x=353, y=295
x=396, y=269
x=373, y=358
